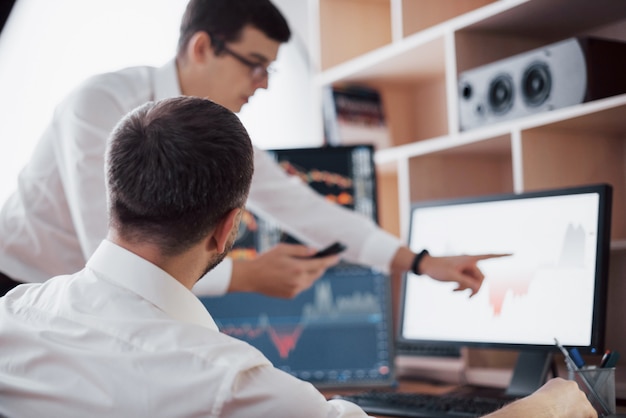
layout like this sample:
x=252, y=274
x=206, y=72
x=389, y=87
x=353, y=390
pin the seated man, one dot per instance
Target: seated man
x=125, y=336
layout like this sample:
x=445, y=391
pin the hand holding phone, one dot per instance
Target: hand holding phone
x=332, y=249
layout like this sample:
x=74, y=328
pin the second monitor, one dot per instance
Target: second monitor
x=552, y=286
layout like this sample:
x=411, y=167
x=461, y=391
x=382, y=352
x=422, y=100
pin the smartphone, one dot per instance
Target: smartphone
x=332, y=249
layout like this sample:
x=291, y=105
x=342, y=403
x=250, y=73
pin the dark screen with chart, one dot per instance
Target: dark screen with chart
x=337, y=333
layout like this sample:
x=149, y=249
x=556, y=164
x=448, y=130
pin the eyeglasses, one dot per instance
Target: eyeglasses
x=258, y=71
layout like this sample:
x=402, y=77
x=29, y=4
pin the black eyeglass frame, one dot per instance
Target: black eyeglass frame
x=258, y=71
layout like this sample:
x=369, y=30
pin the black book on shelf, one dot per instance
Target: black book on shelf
x=354, y=115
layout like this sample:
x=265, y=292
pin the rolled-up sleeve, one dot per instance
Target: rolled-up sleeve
x=81, y=140
x=306, y=215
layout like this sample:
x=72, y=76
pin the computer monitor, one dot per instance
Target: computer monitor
x=345, y=175
x=552, y=286
x=339, y=332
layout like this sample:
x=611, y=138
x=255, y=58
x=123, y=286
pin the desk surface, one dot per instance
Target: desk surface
x=407, y=385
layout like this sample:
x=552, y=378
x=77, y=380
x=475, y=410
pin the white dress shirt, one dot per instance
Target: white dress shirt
x=122, y=338
x=57, y=217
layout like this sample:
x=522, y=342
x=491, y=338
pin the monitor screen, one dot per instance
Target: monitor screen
x=552, y=286
x=344, y=175
x=338, y=333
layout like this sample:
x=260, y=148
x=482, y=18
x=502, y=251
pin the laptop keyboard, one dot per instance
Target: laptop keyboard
x=418, y=405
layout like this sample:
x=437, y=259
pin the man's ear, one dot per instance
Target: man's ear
x=199, y=47
x=224, y=230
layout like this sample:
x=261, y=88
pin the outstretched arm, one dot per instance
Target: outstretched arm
x=284, y=271
x=462, y=269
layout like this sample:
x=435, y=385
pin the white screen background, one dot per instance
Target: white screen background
x=544, y=290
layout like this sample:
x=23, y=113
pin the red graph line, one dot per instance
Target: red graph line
x=499, y=288
x=285, y=342
x=246, y=332
x=317, y=176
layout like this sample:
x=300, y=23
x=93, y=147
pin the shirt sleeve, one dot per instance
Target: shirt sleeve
x=215, y=282
x=84, y=122
x=306, y=215
x=265, y=391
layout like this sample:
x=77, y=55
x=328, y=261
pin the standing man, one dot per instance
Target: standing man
x=57, y=217
x=125, y=336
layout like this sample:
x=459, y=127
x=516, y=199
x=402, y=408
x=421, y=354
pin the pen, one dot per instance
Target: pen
x=569, y=362
x=609, y=359
x=571, y=365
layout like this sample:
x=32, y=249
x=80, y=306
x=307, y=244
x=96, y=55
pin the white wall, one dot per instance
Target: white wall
x=47, y=47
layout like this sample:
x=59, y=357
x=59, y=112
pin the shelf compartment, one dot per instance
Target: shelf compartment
x=538, y=18
x=414, y=111
x=473, y=169
x=558, y=156
x=421, y=59
x=605, y=116
x=418, y=15
x=531, y=25
x=356, y=36
x=349, y=28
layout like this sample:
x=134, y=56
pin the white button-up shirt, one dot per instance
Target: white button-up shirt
x=57, y=217
x=122, y=338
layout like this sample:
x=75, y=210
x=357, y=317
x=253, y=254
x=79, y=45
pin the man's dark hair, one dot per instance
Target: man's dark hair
x=175, y=168
x=225, y=19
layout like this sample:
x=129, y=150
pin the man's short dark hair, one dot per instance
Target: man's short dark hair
x=225, y=20
x=175, y=168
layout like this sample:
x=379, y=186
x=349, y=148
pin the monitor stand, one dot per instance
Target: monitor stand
x=531, y=371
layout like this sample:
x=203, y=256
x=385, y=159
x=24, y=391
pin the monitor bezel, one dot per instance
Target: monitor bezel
x=596, y=346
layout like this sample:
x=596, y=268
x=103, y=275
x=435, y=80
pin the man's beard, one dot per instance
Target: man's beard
x=220, y=257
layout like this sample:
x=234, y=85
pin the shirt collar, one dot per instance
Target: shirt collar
x=166, y=81
x=116, y=264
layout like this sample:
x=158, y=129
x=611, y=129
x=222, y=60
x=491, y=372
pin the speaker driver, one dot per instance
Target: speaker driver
x=536, y=84
x=500, y=94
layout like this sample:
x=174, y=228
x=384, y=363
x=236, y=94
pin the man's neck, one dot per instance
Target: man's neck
x=185, y=268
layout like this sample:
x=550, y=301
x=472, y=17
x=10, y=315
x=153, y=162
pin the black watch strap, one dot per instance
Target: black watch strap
x=416, y=262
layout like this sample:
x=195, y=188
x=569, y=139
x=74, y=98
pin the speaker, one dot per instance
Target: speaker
x=562, y=74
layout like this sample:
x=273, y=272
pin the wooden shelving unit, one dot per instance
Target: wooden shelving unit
x=412, y=51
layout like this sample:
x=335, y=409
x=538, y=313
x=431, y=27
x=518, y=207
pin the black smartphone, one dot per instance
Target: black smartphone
x=332, y=249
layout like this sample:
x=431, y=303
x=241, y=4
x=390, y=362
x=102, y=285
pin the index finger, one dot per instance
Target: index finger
x=488, y=256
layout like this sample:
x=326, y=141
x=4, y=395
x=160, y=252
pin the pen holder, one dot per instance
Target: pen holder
x=599, y=385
